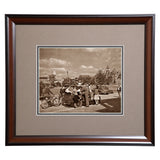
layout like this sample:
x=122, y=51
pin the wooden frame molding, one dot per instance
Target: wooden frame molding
x=12, y=20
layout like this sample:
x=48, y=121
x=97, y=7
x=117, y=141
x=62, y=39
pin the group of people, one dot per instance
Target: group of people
x=78, y=95
x=83, y=94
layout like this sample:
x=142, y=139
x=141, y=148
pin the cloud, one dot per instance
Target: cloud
x=90, y=67
x=58, y=62
x=43, y=63
x=86, y=67
x=54, y=63
x=95, y=49
x=88, y=70
x=59, y=70
x=83, y=66
x=90, y=49
x=45, y=71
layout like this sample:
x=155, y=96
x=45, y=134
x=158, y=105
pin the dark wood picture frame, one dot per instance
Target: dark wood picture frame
x=10, y=25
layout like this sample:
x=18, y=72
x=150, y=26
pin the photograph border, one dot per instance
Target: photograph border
x=11, y=20
x=85, y=113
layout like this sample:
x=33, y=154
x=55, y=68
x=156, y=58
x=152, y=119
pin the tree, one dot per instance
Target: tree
x=100, y=78
x=85, y=79
x=92, y=80
x=52, y=78
x=113, y=75
x=66, y=82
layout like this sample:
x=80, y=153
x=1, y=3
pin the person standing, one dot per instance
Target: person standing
x=85, y=90
x=62, y=93
x=91, y=92
x=42, y=86
x=75, y=97
x=96, y=95
x=119, y=90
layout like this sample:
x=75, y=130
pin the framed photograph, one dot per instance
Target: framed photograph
x=80, y=79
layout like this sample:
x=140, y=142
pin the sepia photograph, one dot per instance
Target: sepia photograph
x=79, y=80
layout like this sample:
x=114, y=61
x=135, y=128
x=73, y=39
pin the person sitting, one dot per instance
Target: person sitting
x=68, y=90
x=47, y=92
x=75, y=97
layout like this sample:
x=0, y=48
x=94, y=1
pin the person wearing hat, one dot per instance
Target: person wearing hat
x=85, y=91
x=96, y=95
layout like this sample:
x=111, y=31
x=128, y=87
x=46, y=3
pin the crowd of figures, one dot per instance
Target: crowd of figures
x=76, y=96
x=73, y=96
x=81, y=95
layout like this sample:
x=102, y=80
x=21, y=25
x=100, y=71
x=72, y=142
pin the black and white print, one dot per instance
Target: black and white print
x=81, y=80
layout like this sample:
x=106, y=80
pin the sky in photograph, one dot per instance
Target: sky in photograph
x=77, y=61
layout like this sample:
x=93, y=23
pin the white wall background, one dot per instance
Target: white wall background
x=78, y=7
